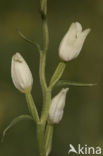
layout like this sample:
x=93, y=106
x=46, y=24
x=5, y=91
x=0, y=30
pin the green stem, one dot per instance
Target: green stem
x=46, y=100
x=32, y=107
x=45, y=91
x=46, y=107
x=44, y=25
x=43, y=60
x=48, y=138
x=43, y=4
x=45, y=48
x=42, y=75
x=45, y=35
x=41, y=138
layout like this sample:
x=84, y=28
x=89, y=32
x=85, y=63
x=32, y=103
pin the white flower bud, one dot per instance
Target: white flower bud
x=57, y=106
x=21, y=74
x=72, y=42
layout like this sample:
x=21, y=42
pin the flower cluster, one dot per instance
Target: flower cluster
x=69, y=49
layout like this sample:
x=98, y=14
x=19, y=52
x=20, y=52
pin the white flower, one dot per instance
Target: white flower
x=21, y=74
x=72, y=42
x=57, y=106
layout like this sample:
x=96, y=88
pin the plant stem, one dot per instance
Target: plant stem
x=46, y=106
x=43, y=4
x=45, y=91
x=42, y=73
x=32, y=107
x=44, y=25
x=41, y=138
x=40, y=127
x=45, y=48
x=45, y=35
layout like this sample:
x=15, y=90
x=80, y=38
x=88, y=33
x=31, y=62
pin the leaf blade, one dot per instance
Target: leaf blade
x=29, y=41
x=14, y=122
x=73, y=83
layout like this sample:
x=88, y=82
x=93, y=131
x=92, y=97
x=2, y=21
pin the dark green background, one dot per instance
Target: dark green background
x=83, y=118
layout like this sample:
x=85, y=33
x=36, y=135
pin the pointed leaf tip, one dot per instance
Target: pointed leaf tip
x=29, y=41
x=14, y=122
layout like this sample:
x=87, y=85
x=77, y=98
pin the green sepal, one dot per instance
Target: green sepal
x=14, y=122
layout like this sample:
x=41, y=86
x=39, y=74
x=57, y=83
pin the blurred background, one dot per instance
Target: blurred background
x=83, y=118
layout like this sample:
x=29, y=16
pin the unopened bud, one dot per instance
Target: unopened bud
x=21, y=74
x=57, y=106
x=72, y=42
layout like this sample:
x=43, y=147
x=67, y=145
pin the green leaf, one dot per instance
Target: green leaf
x=72, y=83
x=29, y=41
x=14, y=122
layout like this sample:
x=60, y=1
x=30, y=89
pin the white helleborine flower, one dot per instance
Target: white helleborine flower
x=57, y=106
x=21, y=74
x=72, y=42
